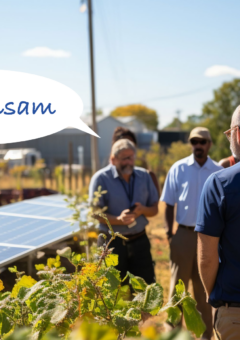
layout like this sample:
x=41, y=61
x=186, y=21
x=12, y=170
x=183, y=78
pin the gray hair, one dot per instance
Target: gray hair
x=122, y=144
x=236, y=116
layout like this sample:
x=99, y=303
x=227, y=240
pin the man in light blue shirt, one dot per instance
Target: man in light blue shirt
x=127, y=187
x=183, y=187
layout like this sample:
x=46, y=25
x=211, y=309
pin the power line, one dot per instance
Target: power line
x=177, y=95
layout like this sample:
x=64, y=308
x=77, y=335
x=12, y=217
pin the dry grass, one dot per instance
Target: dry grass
x=160, y=254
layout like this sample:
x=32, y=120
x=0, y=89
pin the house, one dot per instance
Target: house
x=54, y=148
x=133, y=124
x=20, y=156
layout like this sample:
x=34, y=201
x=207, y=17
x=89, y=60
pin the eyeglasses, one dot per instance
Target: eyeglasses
x=196, y=141
x=129, y=158
x=228, y=133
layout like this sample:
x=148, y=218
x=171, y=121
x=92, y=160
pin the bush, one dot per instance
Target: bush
x=93, y=293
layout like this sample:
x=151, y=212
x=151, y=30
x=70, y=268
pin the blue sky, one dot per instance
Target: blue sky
x=144, y=50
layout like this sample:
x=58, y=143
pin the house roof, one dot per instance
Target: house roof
x=127, y=119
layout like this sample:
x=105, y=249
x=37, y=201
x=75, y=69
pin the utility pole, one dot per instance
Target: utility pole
x=94, y=144
x=178, y=113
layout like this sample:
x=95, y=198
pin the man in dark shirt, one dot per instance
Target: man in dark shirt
x=218, y=227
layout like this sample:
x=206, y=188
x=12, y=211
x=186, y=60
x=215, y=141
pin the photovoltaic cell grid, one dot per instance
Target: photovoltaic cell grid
x=33, y=224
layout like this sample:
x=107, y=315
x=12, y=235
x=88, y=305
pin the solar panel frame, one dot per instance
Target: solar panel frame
x=6, y=212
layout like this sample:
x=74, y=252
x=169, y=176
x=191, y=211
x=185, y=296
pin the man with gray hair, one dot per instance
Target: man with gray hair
x=218, y=240
x=131, y=197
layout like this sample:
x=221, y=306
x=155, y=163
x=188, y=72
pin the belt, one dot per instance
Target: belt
x=132, y=237
x=186, y=227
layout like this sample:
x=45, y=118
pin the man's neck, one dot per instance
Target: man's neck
x=201, y=161
x=126, y=178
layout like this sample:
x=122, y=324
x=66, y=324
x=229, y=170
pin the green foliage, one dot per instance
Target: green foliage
x=58, y=302
x=182, y=300
x=147, y=116
x=216, y=116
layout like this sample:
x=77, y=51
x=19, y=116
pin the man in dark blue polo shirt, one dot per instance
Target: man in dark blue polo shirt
x=218, y=227
x=127, y=186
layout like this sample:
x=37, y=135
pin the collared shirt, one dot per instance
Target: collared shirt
x=184, y=185
x=122, y=195
x=219, y=216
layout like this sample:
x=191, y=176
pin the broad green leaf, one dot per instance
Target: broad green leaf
x=59, y=314
x=22, y=293
x=66, y=252
x=113, y=281
x=133, y=332
x=83, y=243
x=13, y=269
x=76, y=259
x=111, y=260
x=180, y=287
x=138, y=284
x=5, y=324
x=94, y=331
x=20, y=334
x=153, y=299
x=174, y=315
x=134, y=313
x=192, y=317
x=123, y=324
x=176, y=334
x=124, y=293
x=91, y=305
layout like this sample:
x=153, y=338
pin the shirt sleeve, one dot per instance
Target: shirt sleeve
x=210, y=220
x=153, y=193
x=95, y=182
x=169, y=193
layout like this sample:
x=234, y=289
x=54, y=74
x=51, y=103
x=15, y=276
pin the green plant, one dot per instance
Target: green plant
x=94, y=293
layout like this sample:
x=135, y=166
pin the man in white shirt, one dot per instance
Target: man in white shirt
x=183, y=187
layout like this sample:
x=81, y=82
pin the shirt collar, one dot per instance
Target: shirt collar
x=115, y=172
x=191, y=161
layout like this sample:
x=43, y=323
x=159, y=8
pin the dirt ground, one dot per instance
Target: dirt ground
x=160, y=254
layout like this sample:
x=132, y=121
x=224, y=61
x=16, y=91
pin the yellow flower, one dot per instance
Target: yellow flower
x=1, y=285
x=25, y=281
x=92, y=234
x=54, y=262
x=101, y=281
x=89, y=269
x=70, y=284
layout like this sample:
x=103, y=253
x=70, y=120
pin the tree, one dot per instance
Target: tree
x=175, y=124
x=217, y=116
x=146, y=115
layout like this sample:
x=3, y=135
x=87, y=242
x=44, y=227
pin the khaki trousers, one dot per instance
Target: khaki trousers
x=227, y=323
x=183, y=256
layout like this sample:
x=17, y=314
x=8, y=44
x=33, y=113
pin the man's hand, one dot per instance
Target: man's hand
x=139, y=210
x=126, y=217
x=146, y=211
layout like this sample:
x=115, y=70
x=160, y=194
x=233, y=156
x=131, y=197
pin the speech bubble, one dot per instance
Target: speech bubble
x=33, y=106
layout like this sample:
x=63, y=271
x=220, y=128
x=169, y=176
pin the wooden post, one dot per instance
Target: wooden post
x=70, y=162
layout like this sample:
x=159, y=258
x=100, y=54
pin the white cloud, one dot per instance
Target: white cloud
x=221, y=70
x=43, y=52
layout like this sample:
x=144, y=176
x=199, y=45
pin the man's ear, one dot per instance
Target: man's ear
x=112, y=159
x=238, y=136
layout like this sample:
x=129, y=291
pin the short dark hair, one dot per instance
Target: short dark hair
x=122, y=133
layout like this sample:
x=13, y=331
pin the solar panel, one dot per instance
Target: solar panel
x=33, y=224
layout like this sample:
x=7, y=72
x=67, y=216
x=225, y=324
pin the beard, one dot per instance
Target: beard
x=126, y=170
x=235, y=149
x=199, y=153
